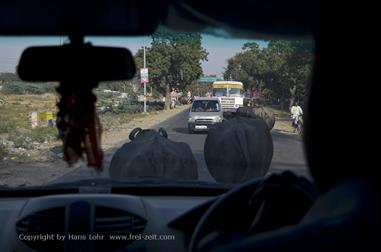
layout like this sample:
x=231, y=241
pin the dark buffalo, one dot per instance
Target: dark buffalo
x=238, y=149
x=152, y=154
x=258, y=112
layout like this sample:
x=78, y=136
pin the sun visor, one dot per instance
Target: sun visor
x=85, y=17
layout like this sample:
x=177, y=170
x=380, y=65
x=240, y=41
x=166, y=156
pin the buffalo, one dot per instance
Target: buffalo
x=151, y=154
x=258, y=112
x=238, y=150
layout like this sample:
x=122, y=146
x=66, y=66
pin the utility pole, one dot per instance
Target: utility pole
x=145, y=84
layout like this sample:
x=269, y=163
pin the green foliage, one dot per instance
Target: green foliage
x=20, y=87
x=174, y=59
x=11, y=84
x=38, y=135
x=128, y=107
x=3, y=150
x=199, y=89
x=121, y=86
x=275, y=70
x=5, y=127
x=43, y=134
x=21, y=141
x=6, y=77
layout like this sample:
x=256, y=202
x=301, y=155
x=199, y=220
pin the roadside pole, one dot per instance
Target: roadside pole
x=145, y=84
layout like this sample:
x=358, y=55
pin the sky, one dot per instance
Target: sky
x=220, y=49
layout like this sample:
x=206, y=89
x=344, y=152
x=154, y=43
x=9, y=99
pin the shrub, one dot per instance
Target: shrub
x=20, y=87
x=43, y=134
x=3, y=151
x=13, y=88
x=6, y=126
x=40, y=135
x=102, y=95
x=21, y=141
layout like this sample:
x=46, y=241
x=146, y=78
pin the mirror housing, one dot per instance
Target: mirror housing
x=76, y=63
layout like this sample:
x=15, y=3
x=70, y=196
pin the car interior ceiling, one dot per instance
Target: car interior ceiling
x=346, y=215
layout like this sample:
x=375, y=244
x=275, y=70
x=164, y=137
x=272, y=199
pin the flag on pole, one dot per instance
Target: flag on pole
x=143, y=75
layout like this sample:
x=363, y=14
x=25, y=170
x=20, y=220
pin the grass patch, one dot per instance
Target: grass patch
x=283, y=120
x=13, y=117
x=3, y=151
x=5, y=126
x=280, y=113
x=28, y=138
x=112, y=121
x=15, y=123
x=44, y=134
x=21, y=87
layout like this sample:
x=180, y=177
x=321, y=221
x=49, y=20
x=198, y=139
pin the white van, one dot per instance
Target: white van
x=204, y=114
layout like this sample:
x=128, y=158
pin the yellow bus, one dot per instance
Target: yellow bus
x=230, y=94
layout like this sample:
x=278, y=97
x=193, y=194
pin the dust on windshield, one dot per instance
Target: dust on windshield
x=150, y=134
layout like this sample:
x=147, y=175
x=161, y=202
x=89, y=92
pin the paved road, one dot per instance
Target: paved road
x=288, y=151
x=288, y=148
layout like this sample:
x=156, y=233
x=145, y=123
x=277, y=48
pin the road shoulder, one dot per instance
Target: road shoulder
x=15, y=174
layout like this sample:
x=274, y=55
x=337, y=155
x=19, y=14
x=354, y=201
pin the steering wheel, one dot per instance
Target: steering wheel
x=230, y=212
x=254, y=207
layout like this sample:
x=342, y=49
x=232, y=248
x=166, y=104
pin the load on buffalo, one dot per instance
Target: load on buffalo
x=151, y=154
x=238, y=150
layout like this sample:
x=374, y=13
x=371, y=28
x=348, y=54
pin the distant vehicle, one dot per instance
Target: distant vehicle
x=230, y=94
x=204, y=114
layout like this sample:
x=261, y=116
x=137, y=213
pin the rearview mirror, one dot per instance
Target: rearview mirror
x=75, y=62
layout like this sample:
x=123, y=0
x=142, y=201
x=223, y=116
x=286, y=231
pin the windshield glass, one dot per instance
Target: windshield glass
x=235, y=92
x=205, y=106
x=220, y=92
x=180, y=67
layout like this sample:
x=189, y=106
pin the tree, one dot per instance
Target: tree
x=174, y=59
x=248, y=66
x=280, y=70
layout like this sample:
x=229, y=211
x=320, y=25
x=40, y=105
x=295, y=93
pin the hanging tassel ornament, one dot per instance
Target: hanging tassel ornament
x=78, y=124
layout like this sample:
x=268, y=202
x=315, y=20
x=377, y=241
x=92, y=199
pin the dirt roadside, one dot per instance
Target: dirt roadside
x=282, y=122
x=17, y=174
x=111, y=138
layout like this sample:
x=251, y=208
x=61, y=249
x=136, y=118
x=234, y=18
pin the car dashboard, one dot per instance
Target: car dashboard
x=100, y=222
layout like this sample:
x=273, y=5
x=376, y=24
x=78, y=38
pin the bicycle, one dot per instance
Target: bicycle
x=298, y=125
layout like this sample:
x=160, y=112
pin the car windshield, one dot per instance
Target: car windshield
x=235, y=92
x=205, y=106
x=165, y=88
